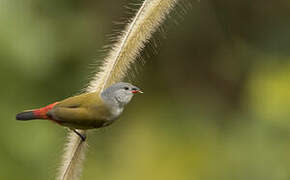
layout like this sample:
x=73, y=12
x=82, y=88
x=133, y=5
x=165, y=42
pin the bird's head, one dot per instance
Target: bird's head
x=120, y=93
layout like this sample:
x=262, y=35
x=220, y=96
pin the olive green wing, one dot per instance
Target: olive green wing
x=74, y=112
x=72, y=102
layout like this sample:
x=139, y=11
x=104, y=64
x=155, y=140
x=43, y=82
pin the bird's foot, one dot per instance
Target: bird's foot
x=82, y=136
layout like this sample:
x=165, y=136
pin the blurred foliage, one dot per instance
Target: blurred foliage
x=216, y=101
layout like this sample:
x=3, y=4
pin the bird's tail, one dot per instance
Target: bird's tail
x=35, y=114
x=26, y=115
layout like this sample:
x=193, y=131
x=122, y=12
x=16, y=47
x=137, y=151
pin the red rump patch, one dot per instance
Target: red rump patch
x=42, y=112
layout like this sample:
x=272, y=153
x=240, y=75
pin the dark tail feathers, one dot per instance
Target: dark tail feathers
x=26, y=115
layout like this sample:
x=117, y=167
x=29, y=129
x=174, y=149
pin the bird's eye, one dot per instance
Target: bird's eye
x=126, y=88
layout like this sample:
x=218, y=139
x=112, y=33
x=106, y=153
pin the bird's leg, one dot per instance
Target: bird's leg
x=82, y=136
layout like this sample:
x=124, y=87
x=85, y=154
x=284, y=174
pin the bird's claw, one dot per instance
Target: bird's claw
x=82, y=136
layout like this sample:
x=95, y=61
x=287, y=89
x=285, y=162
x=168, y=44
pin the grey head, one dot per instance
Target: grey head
x=119, y=94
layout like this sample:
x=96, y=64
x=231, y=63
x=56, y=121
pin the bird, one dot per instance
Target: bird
x=86, y=111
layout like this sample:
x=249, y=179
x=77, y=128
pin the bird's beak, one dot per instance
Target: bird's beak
x=137, y=91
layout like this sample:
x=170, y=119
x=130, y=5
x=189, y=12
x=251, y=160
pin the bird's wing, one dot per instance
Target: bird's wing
x=76, y=118
x=65, y=114
x=72, y=102
x=76, y=112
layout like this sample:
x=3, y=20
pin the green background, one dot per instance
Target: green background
x=216, y=83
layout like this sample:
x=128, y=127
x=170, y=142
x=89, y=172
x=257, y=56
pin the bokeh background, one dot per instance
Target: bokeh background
x=216, y=83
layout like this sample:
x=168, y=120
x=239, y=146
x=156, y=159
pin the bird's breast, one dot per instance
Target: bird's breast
x=115, y=113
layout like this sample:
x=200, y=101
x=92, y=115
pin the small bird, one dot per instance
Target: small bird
x=87, y=110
